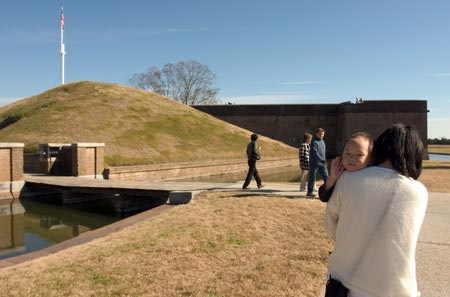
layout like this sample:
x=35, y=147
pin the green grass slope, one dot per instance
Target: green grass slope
x=138, y=127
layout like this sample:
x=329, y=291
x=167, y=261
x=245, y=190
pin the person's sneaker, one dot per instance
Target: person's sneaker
x=244, y=188
x=311, y=195
x=302, y=190
x=260, y=186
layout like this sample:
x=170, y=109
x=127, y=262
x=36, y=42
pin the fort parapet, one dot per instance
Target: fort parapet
x=288, y=123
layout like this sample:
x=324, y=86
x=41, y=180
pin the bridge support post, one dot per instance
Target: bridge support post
x=88, y=160
x=11, y=170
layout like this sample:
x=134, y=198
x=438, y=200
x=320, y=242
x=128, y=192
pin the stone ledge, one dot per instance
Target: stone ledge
x=182, y=197
x=11, y=144
x=89, y=144
x=177, y=171
x=15, y=186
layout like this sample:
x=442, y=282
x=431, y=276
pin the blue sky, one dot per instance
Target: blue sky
x=292, y=52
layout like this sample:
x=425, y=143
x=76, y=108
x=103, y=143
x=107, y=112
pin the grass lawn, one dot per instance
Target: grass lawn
x=439, y=149
x=222, y=244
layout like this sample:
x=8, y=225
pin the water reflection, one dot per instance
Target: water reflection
x=27, y=226
x=439, y=157
x=12, y=226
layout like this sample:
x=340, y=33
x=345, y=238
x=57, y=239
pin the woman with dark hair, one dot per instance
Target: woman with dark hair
x=402, y=146
x=374, y=216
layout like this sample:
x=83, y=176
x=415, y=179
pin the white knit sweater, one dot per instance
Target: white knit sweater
x=375, y=216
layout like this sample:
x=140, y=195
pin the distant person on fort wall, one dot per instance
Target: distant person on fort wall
x=253, y=154
x=303, y=158
x=374, y=217
x=356, y=155
x=317, y=161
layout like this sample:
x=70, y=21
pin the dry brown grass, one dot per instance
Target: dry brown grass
x=223, y=244
x=439, y=149
x=435, y=176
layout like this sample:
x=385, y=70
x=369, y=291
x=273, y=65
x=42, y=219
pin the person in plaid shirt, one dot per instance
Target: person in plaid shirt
x=303, y=156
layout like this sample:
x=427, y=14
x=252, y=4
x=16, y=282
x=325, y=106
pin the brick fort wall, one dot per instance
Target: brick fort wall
x=288, y=123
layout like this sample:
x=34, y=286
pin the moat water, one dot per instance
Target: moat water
x=439, y=157
x=30, y=225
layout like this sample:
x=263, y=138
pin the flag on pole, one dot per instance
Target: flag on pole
x=62, y=18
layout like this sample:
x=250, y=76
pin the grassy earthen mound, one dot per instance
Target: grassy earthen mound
x=138, y=127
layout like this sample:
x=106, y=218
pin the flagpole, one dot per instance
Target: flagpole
x=63, y=50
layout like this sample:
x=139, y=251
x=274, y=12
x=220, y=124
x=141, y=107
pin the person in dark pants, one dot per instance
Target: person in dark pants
x=253, y=154
x=317, y=161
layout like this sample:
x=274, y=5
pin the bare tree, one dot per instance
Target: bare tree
x=188, y=82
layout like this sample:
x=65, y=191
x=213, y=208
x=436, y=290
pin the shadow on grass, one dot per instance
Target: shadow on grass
x=437, y=167
x=250, y=193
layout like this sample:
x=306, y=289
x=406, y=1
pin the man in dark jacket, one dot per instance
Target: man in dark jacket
x=317, y=160
x=253, y=150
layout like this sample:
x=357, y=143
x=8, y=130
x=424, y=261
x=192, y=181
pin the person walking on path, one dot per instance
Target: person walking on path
x=374, y=217
x=303, y=158
x=253, y=154
x=317, y=161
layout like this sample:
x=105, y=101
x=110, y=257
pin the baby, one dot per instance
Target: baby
x=357, y=154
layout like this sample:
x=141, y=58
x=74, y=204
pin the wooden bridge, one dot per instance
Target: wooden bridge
x=126, y=195
x=135, y=195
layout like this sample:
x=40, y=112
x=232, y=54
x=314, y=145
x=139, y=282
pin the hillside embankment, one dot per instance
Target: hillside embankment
x=137, y=127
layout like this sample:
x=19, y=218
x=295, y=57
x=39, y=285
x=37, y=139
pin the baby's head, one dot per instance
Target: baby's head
x=357, y=153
